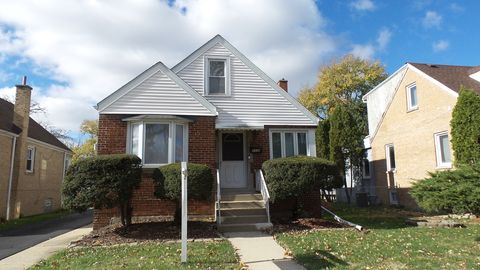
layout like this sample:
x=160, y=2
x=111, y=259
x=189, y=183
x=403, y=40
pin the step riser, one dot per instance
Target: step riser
x=244, y=205
x=242, y=212
x=242, y=197
x=244, y=228
x=244, y=220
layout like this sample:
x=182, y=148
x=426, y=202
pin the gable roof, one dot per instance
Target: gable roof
x=157, y=74
x=35, y=130
x=218, y=39
x=454, y=77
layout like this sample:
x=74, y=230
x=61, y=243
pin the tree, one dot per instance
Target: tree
x=337, y=100
x=87, y=148
x=465, y=125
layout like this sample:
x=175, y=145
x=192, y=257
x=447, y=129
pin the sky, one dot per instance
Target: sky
x=75, y=52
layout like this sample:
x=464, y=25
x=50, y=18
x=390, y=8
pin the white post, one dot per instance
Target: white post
x=184, y=212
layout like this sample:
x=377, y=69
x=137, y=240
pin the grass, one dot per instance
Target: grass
x=390, y=244
x=11, y=224
x=201, y=255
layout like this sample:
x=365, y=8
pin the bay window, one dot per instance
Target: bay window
x=158, y=143
x=287, y=143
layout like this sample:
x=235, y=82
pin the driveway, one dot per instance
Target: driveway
x=18, y=239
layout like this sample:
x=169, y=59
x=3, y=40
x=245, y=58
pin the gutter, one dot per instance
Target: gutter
x=10, y=178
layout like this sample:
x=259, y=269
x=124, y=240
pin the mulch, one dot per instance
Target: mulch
x=151, y=232
x=303, y=224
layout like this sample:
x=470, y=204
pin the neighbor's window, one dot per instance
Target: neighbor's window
x=390, y=157
x=30, y=158
x=412, y=100
x=158, y=143
x=366, y=166
x=288, y=143
x=442, y=149
x=217, y=77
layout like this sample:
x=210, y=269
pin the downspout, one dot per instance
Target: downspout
x=10, y=178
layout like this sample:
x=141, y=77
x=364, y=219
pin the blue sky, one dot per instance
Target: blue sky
x=77, y=52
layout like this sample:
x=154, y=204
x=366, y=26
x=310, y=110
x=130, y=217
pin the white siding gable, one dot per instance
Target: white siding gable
x=254, y=100
x=156, y=91
x=379, y=99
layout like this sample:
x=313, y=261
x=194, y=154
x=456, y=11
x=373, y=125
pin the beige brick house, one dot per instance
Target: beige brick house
x=409, y=125
x=32, y=161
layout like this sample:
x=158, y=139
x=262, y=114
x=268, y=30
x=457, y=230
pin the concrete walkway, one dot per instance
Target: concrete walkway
x=33, y=255
x=260, y=251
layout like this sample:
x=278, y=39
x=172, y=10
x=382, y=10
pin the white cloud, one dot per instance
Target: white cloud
x=384, y=38
x=368, y=51
x=363, y=5
x=440, y=45
x=431, y=19
x=97, y=46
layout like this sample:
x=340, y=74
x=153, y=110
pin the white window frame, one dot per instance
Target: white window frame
x=408, y=88
x=171, y=140
x=30, y=148
x=206, y=72
x=387, y=157
x=295, y=140
x=438, y=150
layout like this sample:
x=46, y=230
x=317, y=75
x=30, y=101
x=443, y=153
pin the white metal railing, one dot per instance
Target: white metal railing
x=218, y=215
x=264, y=191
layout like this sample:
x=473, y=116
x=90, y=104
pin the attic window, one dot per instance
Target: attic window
x=412, y=99
x=217, y=80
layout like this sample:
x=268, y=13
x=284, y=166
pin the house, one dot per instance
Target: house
x=409, y=125
x=215, y=107
x=32, y=161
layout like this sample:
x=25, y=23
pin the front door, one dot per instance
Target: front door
x=232, y=161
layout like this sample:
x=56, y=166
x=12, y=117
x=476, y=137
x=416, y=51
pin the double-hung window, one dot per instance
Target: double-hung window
x=412, y=99
x=158, y=143
x=288, y=143
x=390, y=157
x=442, y=150
x=217, y=76
x=30, y=159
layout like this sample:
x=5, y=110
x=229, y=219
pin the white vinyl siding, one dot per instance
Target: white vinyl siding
x=287, y=143
x=158, y=142
x=157, y=95
x=252, y=101
x=442, y=150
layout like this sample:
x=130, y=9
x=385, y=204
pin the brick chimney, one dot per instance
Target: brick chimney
x=21, y=112
x=21, y=118
x=283, y=84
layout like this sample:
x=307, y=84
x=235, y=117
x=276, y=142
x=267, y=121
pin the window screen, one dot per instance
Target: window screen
x=216, y=77
x=156, y=144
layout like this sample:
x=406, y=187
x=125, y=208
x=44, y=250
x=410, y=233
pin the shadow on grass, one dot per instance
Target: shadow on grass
x=320, y=259
x=477, y=238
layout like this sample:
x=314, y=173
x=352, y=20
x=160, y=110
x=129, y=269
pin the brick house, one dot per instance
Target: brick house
x=215, y=107
x=32, y=161
x=409, y=126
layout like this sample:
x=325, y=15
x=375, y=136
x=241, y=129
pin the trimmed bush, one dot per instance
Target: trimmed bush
x=466, y=128
x=455, y=191
x=293, y=176
x=103, y=182
x=167, y=181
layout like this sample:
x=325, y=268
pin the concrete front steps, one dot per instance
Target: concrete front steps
x=243, y=212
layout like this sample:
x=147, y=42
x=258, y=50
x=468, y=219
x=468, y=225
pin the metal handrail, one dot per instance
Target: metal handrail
x=264, y=192
x=218, y=215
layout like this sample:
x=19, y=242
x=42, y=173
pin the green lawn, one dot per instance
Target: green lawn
x=389, y=244
x=11, y=224
x=201, y=255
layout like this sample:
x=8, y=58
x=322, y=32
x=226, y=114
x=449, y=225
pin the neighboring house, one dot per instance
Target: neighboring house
x=32, y=161
x=409, y=125
x=215, y=107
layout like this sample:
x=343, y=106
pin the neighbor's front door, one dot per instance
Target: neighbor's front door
x=232, y=157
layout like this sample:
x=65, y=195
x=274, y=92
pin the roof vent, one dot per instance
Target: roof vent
x=432, y=65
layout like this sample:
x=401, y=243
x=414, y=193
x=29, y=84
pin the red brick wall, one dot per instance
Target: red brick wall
x=202, y=149
x=260, y=140
x=112, y=134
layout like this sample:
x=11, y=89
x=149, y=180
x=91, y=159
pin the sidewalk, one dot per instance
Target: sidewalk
x=260, y=251
x=33, y=255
